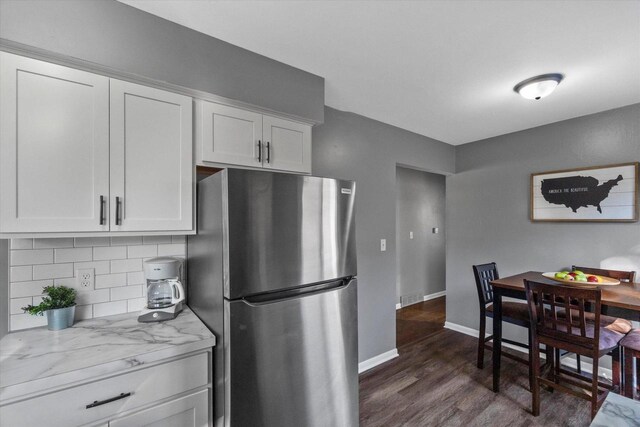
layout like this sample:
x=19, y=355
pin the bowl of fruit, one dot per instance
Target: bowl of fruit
x=577, y=277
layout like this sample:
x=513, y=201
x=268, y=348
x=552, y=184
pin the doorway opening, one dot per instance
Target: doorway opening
x=420, y=254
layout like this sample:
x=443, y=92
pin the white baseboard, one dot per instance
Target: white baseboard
x=377, y=360
x=426, y=298
x=567, y=361
x=434, y=295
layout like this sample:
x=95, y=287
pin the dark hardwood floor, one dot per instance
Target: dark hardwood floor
x=434, y=382
x=418, y=321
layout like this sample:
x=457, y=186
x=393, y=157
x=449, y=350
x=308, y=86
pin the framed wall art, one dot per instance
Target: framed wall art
x=595, y=194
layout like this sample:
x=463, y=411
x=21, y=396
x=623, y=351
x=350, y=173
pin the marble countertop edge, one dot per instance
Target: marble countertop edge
x=36, y=360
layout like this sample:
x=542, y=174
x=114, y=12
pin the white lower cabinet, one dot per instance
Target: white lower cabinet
x=187, y=411
x=174, y=393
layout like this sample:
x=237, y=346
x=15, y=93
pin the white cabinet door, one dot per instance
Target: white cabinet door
x=287, y=145
x=188, y=411
x=151, y=159
x=54, y=147
x=228, y=135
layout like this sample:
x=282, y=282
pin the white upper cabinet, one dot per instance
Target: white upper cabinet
x=288, y=145
x=82, y=153
x=151, y=159
x=228, y=135
x=54, y=147
x=233, y=136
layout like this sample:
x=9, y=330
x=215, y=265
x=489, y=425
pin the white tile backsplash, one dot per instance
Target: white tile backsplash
x=135, y=278
x=83, y=242
x=52, y=271
x=99, y=267
x=117, y=263
x=126, y=265
x=84, y=312
x=31, y=257
x=156, y=240
x=92, y=297
x=73, y=255
x=111, y=280
x=109, y=308
x=172, y=250
x=126, y=240
x=142, y=251
x=109, y=252
x=21, y=243
x=16, y=304
x=25, y=321
x=126, y=292
x=28, y=289
x=53, y=243
x=136, y=304
x=22, y=273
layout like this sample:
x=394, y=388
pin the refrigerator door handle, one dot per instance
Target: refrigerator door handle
x=318, y=288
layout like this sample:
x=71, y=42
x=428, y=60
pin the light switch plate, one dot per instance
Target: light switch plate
x=383, y=245
x=411, y=234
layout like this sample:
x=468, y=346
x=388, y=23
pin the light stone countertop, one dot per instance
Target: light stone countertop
x=618, y=411
x=36, y=360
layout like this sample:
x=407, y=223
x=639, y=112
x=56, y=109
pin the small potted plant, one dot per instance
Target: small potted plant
x=59, y=303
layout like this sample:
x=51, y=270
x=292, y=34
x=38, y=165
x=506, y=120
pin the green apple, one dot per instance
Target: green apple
x=578, y=273
x=561, y=275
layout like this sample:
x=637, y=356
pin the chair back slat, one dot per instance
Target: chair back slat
x=623, y=276
x=544, y=300
x=484, y=274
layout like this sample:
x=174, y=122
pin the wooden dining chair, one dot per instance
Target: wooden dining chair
x=574, y=333
x=631, y=352
x=610, y=314
x=512, y=312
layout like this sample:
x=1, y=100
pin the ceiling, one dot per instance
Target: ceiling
x=442, y=69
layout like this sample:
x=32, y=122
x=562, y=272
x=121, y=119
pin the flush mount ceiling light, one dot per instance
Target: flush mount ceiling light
x=539, y=86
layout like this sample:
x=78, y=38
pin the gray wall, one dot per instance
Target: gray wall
x=4, y=287
x=488, y=204
x=420, y=206
x=126, y=39
x=353, y=147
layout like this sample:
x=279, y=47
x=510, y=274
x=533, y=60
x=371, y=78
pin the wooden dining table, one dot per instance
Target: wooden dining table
x=625, y=296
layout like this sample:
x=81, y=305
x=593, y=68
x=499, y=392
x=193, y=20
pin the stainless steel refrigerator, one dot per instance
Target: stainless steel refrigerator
x=272, y=272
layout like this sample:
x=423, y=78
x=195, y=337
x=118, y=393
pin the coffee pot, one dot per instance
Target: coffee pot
x=165, y=293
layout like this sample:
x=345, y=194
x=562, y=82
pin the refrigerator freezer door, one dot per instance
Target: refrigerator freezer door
x=287, y=230
x=293, y=362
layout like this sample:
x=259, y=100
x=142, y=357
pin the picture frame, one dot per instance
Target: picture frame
x=592, y=194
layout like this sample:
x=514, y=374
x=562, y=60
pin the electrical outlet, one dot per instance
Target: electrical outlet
x=383, y=245
x=411, y=234
x=85, y=278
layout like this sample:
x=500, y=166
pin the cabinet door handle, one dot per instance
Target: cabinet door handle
x=259, y=151
x=102, y=219
x=113, y=399
x=118, y=211
x=268, y=152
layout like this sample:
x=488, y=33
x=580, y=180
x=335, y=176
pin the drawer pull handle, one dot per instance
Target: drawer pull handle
x=102, y=402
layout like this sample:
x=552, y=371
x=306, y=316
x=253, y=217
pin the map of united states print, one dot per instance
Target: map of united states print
x=606, y=193
x=577, y=191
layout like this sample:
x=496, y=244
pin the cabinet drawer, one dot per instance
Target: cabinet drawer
x=69, y=407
